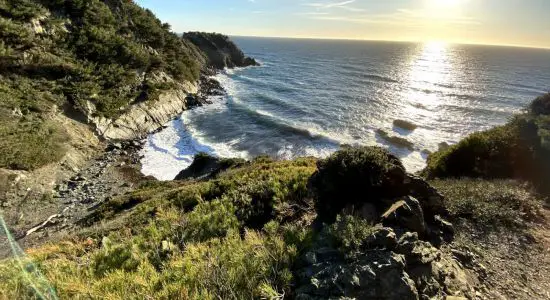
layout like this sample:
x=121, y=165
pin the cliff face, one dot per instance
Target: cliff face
x=143, y=118
x=139, y=119
x=220, y=50
x=112, y=64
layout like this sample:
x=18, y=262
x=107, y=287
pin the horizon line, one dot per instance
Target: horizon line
x=396, y=40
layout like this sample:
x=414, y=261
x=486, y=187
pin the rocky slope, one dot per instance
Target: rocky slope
x=220, y=50
x=273, y=229
x=75, y=75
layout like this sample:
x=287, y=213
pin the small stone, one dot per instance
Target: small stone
x=310, y=258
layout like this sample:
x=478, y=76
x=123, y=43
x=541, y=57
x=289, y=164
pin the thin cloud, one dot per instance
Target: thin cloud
x=340, y=5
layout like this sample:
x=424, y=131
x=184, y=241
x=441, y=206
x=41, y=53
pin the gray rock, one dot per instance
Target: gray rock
x=406, y=213
x=371, y=275
x=384, y=238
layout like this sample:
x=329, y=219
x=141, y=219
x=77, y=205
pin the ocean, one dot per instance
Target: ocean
x=309, y=97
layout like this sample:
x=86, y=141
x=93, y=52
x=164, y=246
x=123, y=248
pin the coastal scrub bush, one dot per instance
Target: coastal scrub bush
x=252, y=267
x=209, y=220
x=348, y=233
x=236, y=236
x=519, y=150
x=27, y=145
x=541, y=105
x=488, y=154
x=353, y=176
x=489, y=203
x=267, y=191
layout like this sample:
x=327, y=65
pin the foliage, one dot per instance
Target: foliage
x=98, y=51
x=518, y=150
x=349, y=232
x=235, y=268
x=488, y=154
x=186, y=239
x=29, y=144
x=489, y=203
x=352, y=176
x=541, y=105
x=209, y=220
x=76, y=53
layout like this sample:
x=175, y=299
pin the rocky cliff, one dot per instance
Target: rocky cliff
x=220, y=50
x=110, y=64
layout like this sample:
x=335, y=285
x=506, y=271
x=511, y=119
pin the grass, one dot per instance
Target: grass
x=238, y=235
x=232, y=237
x=349, y=233
x=490, y=204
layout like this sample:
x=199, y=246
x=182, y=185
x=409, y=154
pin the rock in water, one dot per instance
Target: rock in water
x=405, y=124
x=395, y=140
x=205, y=166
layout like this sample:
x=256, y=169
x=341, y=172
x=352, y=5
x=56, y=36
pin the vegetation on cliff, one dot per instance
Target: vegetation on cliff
x=220, y=50
x=518, y=150
x=87, y=59
x=255, y=230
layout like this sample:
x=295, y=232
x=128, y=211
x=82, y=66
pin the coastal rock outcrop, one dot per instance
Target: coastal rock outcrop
x=220, y=51
x=366, y=189
x=406, y=268
x=205, y=166
x=145, y=117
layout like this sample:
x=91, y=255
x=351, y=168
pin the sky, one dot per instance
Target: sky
x=496, y=22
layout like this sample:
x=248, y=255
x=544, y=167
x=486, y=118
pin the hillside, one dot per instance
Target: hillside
x=81, y=81
x=76, y=76
x=92, y=61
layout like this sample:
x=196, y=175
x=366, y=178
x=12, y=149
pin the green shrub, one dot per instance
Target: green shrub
x=489, y=203
x=519, y=150
x=489, y=154
x=27, y=145
x=353, y=176
x=234, y=268
x=190, y=240
x=114, y=257
x=348, y=233
x=94, y=49
x=209, y=220
x=541, y=105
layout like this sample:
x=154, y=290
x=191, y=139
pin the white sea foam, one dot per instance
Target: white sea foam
x=307, y=107
x=171, y=150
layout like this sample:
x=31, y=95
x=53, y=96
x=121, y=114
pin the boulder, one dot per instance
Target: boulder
x=406, y=213
x=373, y=275
x=405, y=124
x=395, y=140
x=205, y=166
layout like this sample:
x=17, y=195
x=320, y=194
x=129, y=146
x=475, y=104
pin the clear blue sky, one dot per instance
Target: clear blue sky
x=508, y=22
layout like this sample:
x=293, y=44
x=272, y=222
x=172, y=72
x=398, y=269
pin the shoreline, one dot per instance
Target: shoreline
x=112, y=171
